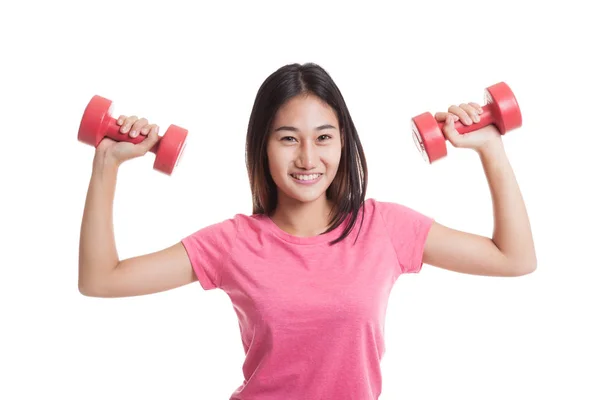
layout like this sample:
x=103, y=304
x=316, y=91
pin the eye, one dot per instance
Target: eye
x=291, y=137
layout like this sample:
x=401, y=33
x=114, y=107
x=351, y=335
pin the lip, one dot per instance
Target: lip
x=307, y=182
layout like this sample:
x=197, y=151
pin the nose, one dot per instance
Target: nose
x=307, y=155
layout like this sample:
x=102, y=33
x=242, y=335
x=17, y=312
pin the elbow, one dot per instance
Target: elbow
x=88, y=291
x=81, y=286
x=532, y=264
x=526, y=269
x=92, y=288
x=520, y=266
x=83, y=283
x=88, y=287
x=94, y=284
x=85, y=290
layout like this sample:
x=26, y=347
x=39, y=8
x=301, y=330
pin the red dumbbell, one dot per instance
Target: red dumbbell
x=97, y=122
x=501, y=109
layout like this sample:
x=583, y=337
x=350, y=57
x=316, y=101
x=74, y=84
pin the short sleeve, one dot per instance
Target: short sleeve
x=208, y=249
x=408, y=230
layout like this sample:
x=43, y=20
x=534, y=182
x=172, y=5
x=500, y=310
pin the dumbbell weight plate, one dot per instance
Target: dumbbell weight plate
x=170, y=149
x=96, y=118
x=506, y=110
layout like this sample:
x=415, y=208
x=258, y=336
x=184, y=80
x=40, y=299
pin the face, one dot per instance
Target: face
x=304, y=139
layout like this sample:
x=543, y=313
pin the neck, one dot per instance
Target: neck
x=303, y=219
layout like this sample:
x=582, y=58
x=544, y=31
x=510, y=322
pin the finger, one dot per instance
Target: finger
x=472, y=111
x=441, y=116
x=137, y=126
x=477, y=107
x=149, y=141
x=128, y=123
x=449, y=129
x=462, y=114
x=121, y=119
x=146, y=129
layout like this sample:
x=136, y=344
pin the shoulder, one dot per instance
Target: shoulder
x=395, y=214
x=224, y=230
x=387, y=207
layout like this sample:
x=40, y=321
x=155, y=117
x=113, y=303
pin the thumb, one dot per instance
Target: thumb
x=450, y=131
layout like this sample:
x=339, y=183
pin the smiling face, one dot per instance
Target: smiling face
x=305, y=143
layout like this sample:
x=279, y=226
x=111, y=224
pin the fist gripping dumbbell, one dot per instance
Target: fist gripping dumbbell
x=501, y=109
x=97, y=122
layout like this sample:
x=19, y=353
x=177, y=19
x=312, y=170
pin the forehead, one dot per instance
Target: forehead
x=304, y=107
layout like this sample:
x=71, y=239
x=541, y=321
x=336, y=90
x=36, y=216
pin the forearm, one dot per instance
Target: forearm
x=512, y=231
x=97, y=248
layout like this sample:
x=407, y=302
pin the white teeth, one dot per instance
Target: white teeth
x=306, y=177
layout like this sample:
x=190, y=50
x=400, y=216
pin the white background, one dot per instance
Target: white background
x=448, y=335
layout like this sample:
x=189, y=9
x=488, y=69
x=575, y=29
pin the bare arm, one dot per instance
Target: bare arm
x=101, y=273
x=97, y=250
x=510, y=251
x=512, y=231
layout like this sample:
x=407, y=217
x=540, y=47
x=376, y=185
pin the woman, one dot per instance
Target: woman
x=310, y=271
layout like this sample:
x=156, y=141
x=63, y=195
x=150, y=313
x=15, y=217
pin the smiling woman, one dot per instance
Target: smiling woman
x=300, y=124
x=303, y=161
x=310, y=287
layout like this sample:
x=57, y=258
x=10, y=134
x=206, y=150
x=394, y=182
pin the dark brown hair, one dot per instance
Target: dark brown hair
x=347, y=190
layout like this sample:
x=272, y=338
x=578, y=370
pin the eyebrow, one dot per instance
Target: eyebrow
x=294, y=129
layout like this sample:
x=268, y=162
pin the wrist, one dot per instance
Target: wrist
x=491, y=147
x=104, y=163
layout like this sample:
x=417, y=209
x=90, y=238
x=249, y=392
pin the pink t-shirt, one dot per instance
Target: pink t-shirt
x=311, y=316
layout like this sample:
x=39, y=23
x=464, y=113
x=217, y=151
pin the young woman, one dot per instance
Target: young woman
x=310, y=271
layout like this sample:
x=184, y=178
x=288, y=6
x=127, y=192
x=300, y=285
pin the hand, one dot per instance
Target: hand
x=120, y=152
x=467, y=114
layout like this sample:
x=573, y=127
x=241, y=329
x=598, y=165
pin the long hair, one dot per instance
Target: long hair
x=347, y=190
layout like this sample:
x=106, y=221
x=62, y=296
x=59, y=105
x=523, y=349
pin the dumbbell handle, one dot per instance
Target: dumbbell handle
x=112, y=130
x=485, y=118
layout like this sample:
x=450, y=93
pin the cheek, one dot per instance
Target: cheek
x=332, y=156
x=277, y=162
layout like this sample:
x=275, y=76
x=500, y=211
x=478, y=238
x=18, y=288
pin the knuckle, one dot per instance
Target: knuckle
x=139, y=123
x=457, y=110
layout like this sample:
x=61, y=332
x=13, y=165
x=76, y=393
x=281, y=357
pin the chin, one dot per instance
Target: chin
x=307, y=195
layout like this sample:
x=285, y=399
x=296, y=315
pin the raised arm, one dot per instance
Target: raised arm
x=101, y=273
x=510, y=251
